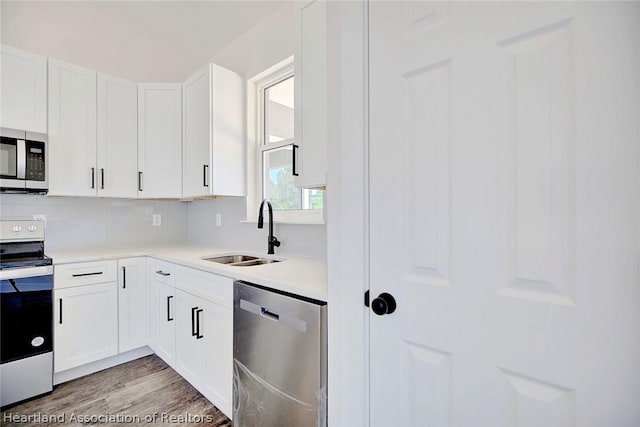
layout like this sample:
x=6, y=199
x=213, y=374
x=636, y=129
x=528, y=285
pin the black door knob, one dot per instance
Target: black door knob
x=384, y=304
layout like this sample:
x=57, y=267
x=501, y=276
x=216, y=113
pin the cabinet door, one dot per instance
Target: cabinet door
x=217, y=330
x=23, y=84
x=196, y=136
x=165, y=323
x=117, y=174
x=72, y=130
x=190, y=347
x=133, y=325
x=86, y=324
x=160, y=140
x=227, y=133
x=311, y=94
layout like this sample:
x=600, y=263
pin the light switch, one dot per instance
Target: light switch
x=218, y=220
x=157, y=220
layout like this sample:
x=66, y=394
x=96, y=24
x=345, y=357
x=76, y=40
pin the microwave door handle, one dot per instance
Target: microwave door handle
x=21, y=159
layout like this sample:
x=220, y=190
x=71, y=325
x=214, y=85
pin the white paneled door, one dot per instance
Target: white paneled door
x=504, y=206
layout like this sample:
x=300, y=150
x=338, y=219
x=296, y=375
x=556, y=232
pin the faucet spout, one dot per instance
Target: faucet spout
x=272, y=241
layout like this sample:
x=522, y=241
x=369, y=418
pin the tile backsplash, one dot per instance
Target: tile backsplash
x=85, y=223
x=77, y=223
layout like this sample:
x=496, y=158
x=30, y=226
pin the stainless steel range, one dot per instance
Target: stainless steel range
x=26, y=331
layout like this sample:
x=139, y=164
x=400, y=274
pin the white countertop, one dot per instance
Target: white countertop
x=298, y=275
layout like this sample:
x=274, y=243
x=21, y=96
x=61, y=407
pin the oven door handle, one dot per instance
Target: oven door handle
x=17, y=273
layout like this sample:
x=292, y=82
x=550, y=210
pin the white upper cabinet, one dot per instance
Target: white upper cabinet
x=93, y=132
x=72, y=130
x=117, y=137
x=212, y=134
x=311, y=94
x=23, y=90
x=160, y=140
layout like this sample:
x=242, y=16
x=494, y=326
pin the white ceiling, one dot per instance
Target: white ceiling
x=137, y=40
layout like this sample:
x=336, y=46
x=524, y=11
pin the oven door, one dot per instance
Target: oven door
x=26, y=296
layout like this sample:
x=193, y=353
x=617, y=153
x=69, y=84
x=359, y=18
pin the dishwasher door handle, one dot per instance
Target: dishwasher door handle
x=281, y=318
x=264, y=312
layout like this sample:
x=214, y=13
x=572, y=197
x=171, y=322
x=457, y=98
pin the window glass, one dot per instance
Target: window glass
x=278, y=111
x=277, y=179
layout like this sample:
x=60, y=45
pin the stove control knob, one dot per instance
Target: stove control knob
x=17, y=228
x=32, y=228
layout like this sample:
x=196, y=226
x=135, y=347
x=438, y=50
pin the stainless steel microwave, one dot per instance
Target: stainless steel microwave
x=23, y=166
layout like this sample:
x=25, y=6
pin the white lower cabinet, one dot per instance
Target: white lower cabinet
x=163, y=321
x=86, y=324
x=133, y=305
x=212, y=335
x=190, y=345
x=217, y=329
x=184, y=315
x=204, y=347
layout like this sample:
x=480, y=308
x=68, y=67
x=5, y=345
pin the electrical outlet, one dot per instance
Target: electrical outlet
x=218, y=219
x=41, y=217
x=157, y=220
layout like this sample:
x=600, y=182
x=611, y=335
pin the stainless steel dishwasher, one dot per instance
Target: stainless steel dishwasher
x=279, y=358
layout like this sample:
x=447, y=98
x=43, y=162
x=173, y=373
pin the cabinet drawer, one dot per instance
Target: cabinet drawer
x=84, y=273
x=164, y=272
x=217, y=289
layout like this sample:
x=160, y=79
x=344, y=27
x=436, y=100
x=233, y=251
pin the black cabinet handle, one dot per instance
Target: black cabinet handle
x=95, y=273
x=102, y=178
x=139, y=181
x=193, y=321
x=124, y=277
x=198, y=336
x=162, y=273
x=169, y=318
x=60, y=303
x=93, y=178
x=204, y=175
x=295, y=155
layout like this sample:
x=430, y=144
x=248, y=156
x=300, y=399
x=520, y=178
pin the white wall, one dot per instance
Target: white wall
x=267, y=43
x=79, y=223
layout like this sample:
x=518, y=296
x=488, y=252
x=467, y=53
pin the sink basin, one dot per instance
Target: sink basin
x=259, y=261
x=240, y=260
x=231, y=259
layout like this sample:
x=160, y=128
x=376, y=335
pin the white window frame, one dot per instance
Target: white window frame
x=256, y=146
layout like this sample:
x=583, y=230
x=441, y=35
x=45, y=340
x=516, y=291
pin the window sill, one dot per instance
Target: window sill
x=288, y=222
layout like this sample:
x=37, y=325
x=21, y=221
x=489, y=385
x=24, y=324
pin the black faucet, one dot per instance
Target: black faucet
x=272, y=240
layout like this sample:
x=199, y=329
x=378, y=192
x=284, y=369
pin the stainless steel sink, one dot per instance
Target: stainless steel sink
x=259, y=261
x=231, y=259
x=240, y=260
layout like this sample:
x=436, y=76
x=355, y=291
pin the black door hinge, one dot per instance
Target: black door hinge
x=366, y=298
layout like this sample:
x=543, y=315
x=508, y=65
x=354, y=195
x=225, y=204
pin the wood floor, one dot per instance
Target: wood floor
x=134, y=391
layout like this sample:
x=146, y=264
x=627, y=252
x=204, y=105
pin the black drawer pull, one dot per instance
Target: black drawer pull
x=162, y=273
x=88, y=274
x=198, y=336
x=193, y=321
x=60, y=301
x=169, y=318
x=124, y=277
